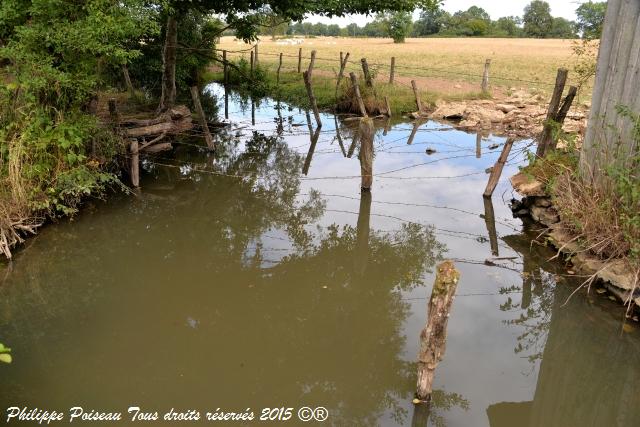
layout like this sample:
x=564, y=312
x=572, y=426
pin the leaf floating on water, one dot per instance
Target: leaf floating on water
x=600, y=291
x=6, y=358
x=4, y=349
x=612, y=298
x=416, y=401
x=571, y=272
x=493, y=146
x=635, y=318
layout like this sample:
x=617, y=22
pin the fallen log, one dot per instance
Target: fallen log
x=173, y=121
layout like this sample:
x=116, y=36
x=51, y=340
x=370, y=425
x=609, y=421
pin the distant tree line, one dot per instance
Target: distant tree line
x=536, y=22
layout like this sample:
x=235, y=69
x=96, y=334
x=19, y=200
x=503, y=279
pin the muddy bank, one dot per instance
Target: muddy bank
x=616, y=275
x=519, y=115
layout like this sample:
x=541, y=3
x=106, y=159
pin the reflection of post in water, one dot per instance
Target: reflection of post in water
x=362, y=233
x=421, y=414
x=416, y=125
x=367, y=132
x=339, y=137
x=387, y=126
x=226, y=103
x=253, y=112
x=280, y=122
x=479, y=144
x=490, y=221
x=433, y=338
x=312, y=147
x=352, y=147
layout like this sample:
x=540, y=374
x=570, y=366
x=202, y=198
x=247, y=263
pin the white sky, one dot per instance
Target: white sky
x=497, y=9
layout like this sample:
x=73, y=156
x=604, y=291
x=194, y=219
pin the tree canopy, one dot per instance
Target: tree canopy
x=537, y=19
x=591, y=19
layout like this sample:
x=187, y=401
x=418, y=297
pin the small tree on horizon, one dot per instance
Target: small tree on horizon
x=397, y=25
x=537, y=19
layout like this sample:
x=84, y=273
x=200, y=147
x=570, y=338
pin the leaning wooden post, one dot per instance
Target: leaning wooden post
x=485, y=76
x=195, y=97
x=300, y=60
x=433, y=337
x=547, y=133
x=365, y=71
x=225, y=70
x=393, y=70
x=279, y=67
x=356, y=89
x=312, y=63
x=387, y=105
x=562, y=114
x=497, y=168
x=135, y=164
x=417, y=95
x=343, y=65
x=312, y=99
x=367, y=132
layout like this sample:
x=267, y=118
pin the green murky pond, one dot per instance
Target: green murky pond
x=262, y=278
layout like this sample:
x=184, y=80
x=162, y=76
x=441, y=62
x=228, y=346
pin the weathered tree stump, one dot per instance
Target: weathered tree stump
x=433, y=337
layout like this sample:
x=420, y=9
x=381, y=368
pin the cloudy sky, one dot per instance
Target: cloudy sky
x=497, y=9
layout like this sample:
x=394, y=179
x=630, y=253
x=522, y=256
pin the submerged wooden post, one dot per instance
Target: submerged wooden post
x=195, y=97
x=417, y=95
x=485, y=76
x=279, y=67
x=135, y=164
x=300, y=60
x=343, y=65
x=225, y=69
x=433, y=337
x=367, y=132
x=356, y=90
x=392, y=72
x=490, y=222
x=497, y=168
x=312, y=99
x=552, y=112
x=312, y=64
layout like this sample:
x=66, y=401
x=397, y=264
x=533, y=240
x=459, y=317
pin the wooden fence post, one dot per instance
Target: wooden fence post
x=356, y=89
x=127, y=80
x=387, y=105
x=433, y=337
x=195, y=97
x=279, y=67
x=417, y=95
x=367, y=132
x=547, y=133
x=343, y=65
x=134, y=169
x=312, y=99
x=365, y=71
x=299, y=60
x=393, y=70
x=485, y=76
x=497, y=168
x=113, y=112
x=225, y=69
x=312, y=63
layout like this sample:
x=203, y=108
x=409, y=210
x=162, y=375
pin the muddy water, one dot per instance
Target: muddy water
x=262, y=278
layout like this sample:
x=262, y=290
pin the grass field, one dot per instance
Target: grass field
x=448, y=66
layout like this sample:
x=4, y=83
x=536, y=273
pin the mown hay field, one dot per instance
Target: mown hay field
x=444, y=65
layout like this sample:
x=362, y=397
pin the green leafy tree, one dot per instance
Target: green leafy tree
x=562, y=29
x=537, y=19
x=509, y=25
x=591, y=19
x=397, y=25
x=430, y=22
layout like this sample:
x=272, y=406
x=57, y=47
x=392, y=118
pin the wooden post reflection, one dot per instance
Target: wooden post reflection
x=490, y=221
x=416, y=125
x=367, y=132
x=312, y=148
x=362, y=233
x=421, y=414
x=253, y=112
x=352, y=147
x=479, y=144
x=387, y=126
x=226, y=103
x=280, y=121
x=339, y=137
